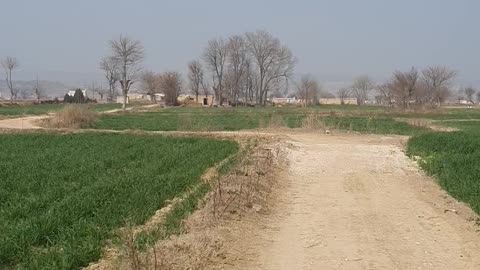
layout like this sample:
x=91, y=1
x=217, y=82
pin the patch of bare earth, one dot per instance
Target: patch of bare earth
x=357, y=202
x=28, y=122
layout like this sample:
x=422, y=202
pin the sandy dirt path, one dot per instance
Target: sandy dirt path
x=357, y=202
x=28, y=122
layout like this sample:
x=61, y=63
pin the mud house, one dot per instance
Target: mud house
x=285, y=101
x=140, y=97
x=204, y=100
x=338, y=101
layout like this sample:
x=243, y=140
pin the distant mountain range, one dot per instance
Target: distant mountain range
x=50, y=89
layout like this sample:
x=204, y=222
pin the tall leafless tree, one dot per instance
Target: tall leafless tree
x=150, y=84
x=361, y=88
x=249, y=83
x=273, y=61
x=37, y=90
x=215, y=57
x=9, y=64
x=438, y=80
x=469, y=93
x=170, y=84
x=196, y=77
x=385, y=94
x=237, y=62
x=308, y=90
x=128, y=54
x=343, y=93
x=403, y=87
x=110, y=68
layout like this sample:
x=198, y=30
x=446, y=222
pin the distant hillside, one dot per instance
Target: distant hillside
x=50, y=89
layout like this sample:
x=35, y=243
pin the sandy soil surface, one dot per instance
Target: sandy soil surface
x=357, y=202
x=31, y=122
x=22, y=122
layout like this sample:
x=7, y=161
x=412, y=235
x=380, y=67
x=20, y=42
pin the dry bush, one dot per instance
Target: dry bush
x=277, y=121
x=72, y=116
x=313, y=121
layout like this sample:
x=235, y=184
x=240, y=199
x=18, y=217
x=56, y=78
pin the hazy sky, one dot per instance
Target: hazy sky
x=333, y=40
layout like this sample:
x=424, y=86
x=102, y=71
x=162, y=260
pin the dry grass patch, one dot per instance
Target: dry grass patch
x=313, y=121
x=72, y=116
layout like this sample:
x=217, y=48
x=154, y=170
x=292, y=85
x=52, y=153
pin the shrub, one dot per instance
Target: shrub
x=73, y=116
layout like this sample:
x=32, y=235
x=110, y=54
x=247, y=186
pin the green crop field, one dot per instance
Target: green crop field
x=63, y=196
x=470, y=126
x=454, y=159
x=364, y=120
x=46, y=108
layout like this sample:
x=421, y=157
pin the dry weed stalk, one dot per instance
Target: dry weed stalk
x=72, y=116
x=313, y=120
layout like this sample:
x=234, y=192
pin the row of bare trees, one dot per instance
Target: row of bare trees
x=413, y=88
x=123, y=67
x=242, y=69
x=9, y=65
x=405, y=89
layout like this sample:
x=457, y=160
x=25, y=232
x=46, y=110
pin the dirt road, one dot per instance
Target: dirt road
x=357, y=202
x=27, y=122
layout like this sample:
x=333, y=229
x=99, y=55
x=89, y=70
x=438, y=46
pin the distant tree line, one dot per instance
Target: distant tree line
x=242, y=69
x=406, y=89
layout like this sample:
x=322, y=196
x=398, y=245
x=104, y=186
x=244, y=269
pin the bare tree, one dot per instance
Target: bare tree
x=478, y=96
x=128, y=54
x=37, y=90
x=438, y=80
x=150, y=84
x=215, y=57
x=469, y=93
x=196, y=77
x=343, y=93
x=110, y=68
x=170, y=84
x=237, y=62
x=273, y=61
x=249, y=83
x=24, y=93
x=385, y=94
x=361, y=88
x=308, y=90
x=403, y=88
x=9, y=64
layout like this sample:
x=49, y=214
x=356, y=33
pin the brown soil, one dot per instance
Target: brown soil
x=357, y=202
x=29, y=122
